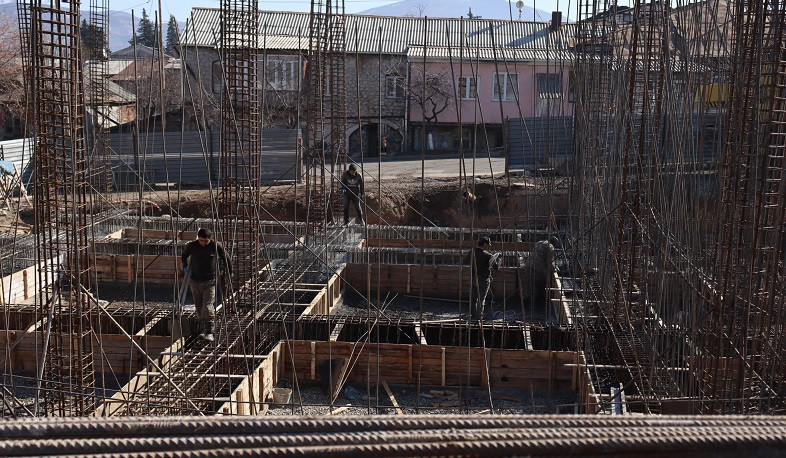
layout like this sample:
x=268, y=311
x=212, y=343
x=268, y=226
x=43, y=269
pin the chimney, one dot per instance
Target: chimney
x=556, y=20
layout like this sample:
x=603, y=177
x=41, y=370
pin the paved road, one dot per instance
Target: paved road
x=435, y=168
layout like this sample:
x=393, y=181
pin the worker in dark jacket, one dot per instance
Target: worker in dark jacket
x=482, y=262
x=352, y=188
x=201, y=256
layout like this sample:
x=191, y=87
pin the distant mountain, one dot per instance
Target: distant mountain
x=120, y=29
x=486, y=9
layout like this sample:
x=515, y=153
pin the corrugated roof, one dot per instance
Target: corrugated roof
x=108, y=67
x=504, y=54
x=393, y=34
x=113, y=93
x=285, y=42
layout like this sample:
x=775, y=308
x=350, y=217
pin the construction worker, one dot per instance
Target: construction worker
x=200, y=255
x=482, y=262
x=352, y=189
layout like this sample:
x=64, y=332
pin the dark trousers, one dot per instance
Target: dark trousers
x=484, y=286
x=350, y=197
x=204, y=293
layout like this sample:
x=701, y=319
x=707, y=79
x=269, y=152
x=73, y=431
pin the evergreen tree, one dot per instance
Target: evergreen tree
x=93, y=40
x=172, y=33
x=145, y=31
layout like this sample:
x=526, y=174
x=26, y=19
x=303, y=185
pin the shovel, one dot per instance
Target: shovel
x=180, y=327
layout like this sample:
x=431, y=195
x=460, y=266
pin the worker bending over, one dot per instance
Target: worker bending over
x=201, y=256
x=483, y=261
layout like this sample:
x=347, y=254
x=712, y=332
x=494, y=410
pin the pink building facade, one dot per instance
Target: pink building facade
x=483, y=92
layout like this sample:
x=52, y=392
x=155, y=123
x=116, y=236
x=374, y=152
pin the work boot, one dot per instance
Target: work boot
x=207, y=334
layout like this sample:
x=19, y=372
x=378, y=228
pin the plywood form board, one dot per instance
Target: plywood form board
x=251, y=395
x=328, y=298
x=23, y=285
x=558, y=299
x=434, y=280
x=397, y=363
x=116, y=351
x=138, y=383
x=153, y=234
x=442, y=244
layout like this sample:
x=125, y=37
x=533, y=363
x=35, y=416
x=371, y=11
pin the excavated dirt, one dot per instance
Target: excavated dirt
x=523, y=202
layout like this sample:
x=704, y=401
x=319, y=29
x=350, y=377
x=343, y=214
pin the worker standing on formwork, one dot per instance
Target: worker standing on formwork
x=201, y=256
x=352, y=189
x=483, y=261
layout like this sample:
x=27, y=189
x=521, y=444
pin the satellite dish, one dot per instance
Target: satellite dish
x=519, y=4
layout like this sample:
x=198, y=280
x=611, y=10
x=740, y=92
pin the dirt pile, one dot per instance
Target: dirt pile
x=485, y=203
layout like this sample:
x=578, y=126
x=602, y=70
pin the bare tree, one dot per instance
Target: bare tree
x=431, y=93
x=11, y=84
x=280, y=108
x=148, y=87
x=419, y=10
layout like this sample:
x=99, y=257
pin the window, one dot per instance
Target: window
x=506, y=86
x=282, y=73
x=394, y=86
x=217, y=77
x=549, y=85
x=468, y=87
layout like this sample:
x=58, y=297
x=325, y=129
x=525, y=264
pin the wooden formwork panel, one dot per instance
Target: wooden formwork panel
x=434, y=280
x=251, y=395
x=128, y=268
x=328, y=298
x=437, y=365
x=442, y=244
x=116, y=353
x=23, y=285
x=154, y=235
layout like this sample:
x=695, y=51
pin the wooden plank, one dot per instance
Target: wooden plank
x=339, y=410
x=443, y=366
x=338, y=378
x=419, y=333
x=392, y=398
x=313, y=361
x=409, y=366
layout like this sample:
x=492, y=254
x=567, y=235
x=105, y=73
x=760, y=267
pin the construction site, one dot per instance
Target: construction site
x=634, y=197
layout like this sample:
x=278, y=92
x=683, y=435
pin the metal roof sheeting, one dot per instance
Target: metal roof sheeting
x=488, y=54
x=20, y=153
x=394, y=34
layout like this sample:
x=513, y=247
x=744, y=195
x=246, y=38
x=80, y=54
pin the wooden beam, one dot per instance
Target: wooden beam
x=339, y=410
x=336, y=331
x=527, y=337
x=150, y=324
x=338, y=378
x=419, y=333
x=392, y=398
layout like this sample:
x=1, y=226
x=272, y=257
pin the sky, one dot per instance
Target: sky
x=181, y=8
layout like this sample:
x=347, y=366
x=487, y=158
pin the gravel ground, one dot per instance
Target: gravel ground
x=472, y=399
x=408, y=307
x=23, y=386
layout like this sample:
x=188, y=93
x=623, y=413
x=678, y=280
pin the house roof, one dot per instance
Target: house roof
x=113, y=93
x=142, y=52
x=393, y=34
x=145, y=69
x=488, y=54
x=106, y=67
